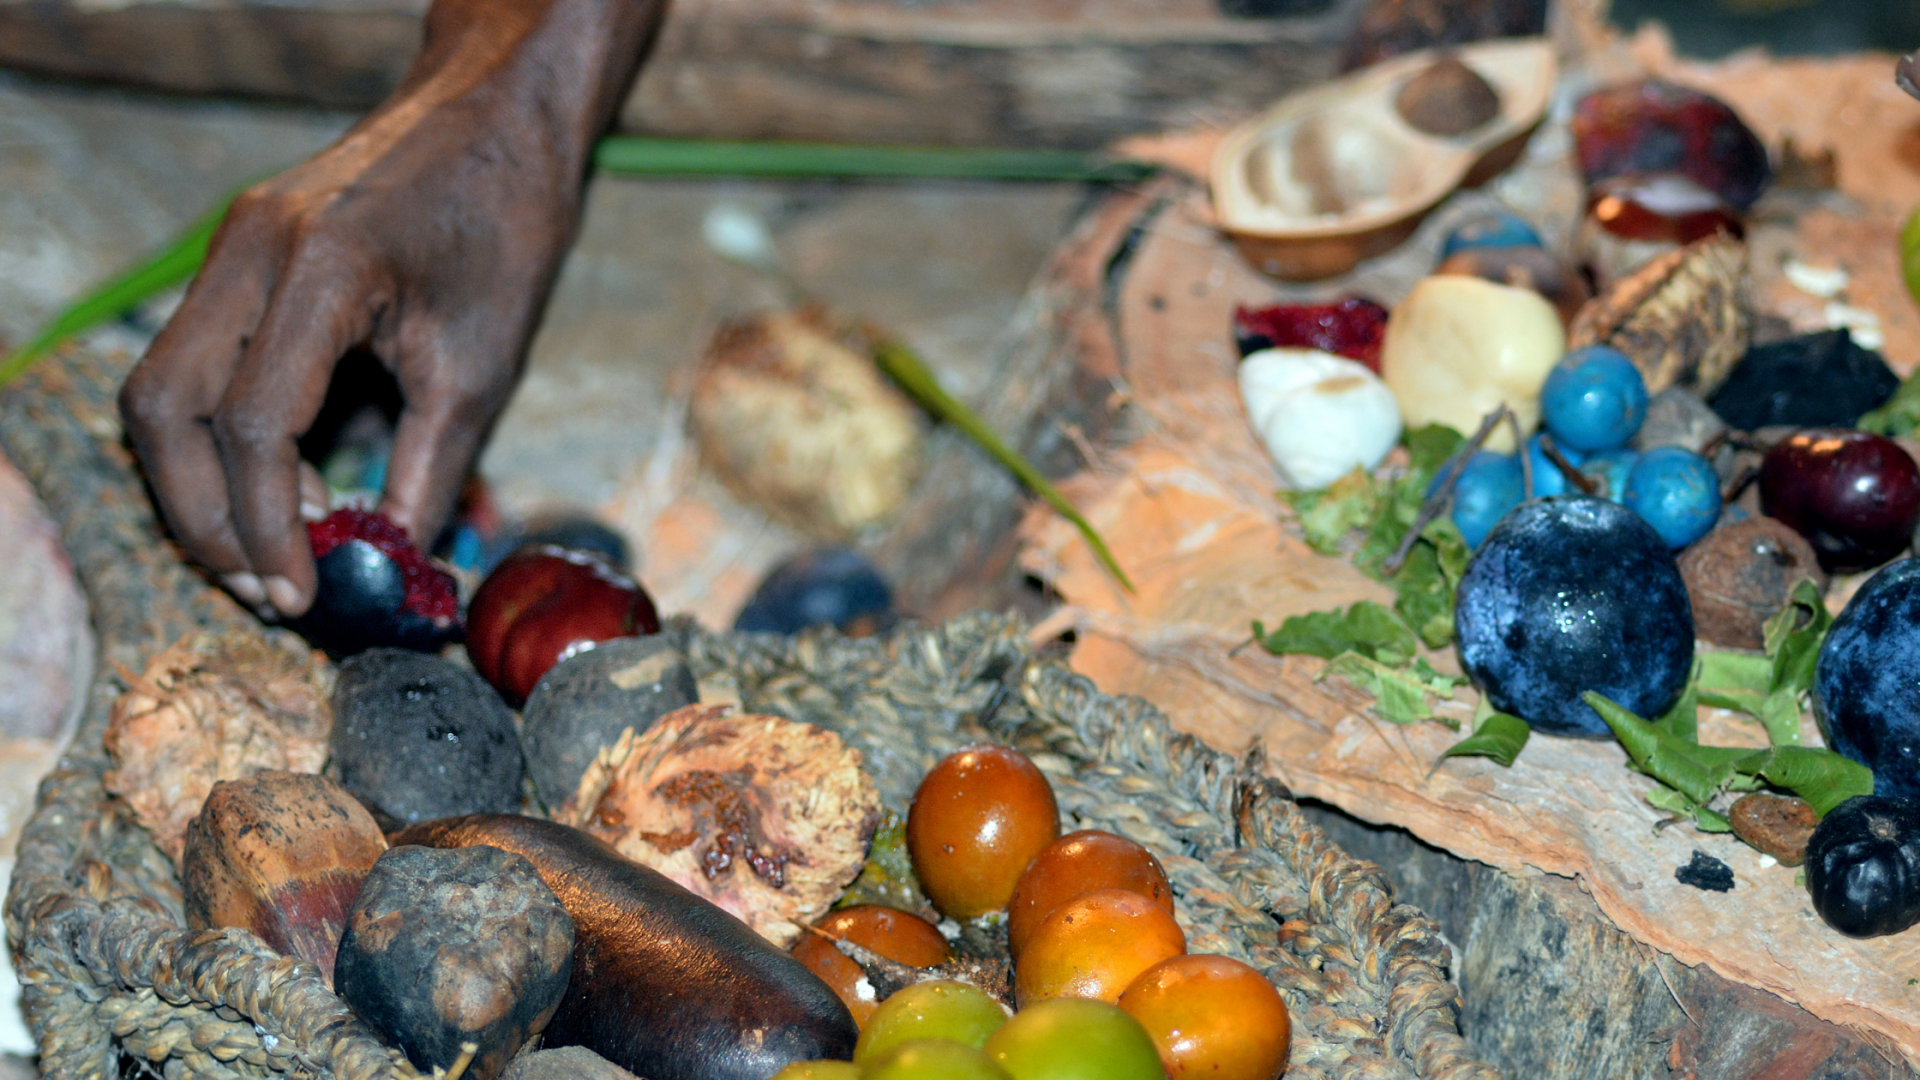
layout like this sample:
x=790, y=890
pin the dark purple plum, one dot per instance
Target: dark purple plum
x=1570, y=594
x=1855, y=496
x=828, y=587
x=1866, y=685
x=1863, y=866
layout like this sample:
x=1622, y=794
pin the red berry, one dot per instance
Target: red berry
x=1654, y=126
x=1353, y=328
x=541, y=605
x=1853, y=495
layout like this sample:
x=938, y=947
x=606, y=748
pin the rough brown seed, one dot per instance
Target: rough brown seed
x=281, y=854
x=1682, y=318
x=1779, y=825
x=1739, y=575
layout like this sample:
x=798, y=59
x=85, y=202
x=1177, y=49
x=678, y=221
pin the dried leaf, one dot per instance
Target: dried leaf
x=1682, y=318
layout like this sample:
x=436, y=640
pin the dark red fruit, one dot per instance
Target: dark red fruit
x=1662, y=207
x=541, y=605
x=1353, y=328
x=1854, y=496
x=376, y=590
x=1654, y=126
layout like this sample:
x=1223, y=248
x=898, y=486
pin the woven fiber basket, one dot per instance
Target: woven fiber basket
x=115, y=985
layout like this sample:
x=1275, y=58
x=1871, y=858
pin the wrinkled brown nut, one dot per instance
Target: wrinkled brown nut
x=1447, y=98
x=1779, y=825
x=1738, y=576
x=1682, y=318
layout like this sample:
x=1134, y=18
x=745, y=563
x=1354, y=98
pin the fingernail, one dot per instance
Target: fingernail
x=283, y=595
x=246, y=587
x=312, y=512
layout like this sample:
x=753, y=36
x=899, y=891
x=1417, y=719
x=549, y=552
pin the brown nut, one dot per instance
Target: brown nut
x=1682, y=318
x=1779, y=825
x=1739, y=575
x=1447, y=98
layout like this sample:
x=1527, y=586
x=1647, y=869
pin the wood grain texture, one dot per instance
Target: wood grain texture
x=950, y=72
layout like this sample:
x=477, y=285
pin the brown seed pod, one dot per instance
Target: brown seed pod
x=209, y=709
x=1739, y=575
x=281, y=854
x=1779, y=825
x=1682, y=318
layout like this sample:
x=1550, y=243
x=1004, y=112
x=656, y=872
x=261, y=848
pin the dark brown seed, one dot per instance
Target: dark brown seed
x=1448, y=98
x=1779, y=825
x=1738, y=576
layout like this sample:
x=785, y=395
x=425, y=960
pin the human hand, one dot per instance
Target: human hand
x=429, y=233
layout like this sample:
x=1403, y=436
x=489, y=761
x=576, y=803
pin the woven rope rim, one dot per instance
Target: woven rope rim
x=110, y=975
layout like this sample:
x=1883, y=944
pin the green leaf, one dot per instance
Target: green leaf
x=1328, y=515
x=1682, y=719
x=1495, y=735
x=636, y=155
x=1366, y=628
x=905, y=368
x=1698, y=772
x=1399, y=695
x=1822, y=777
x=1719, y=671
x=1428, y=448
x=1794, y=636
x=1425, y=584
x=1673, y=802
x=1745, y=683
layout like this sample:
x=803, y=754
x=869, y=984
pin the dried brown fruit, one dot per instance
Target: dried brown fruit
x=766, y=817
x=1779, y=825
x=208, y=709
x=1682, y=318
x=791, y=413
x=1739, y=575
x=284, y=855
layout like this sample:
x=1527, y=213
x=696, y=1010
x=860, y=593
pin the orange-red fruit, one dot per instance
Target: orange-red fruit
x=1094, y=945
x=1077, y=863
x=897, y=935
x=1212, y=1017
x=979, y=818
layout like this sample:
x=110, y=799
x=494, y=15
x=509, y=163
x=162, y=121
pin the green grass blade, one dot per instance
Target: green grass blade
x=639, y=156
x=913, y=377
x=176, y=263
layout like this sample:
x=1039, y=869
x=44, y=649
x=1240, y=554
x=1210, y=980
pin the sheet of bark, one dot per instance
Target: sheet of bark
x=1190, y=512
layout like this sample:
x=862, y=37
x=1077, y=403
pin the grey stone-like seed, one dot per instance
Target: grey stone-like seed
x=587, y=700
x=1677, y=417
x=566, y=1063
x=418, y=738
x=455, y=946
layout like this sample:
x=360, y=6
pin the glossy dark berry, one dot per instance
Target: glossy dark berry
x=1863, y=866
x=834, y=587
x=1654, y=126
x=1866, y=686
x=1571, y=594
x=1353, y=328
x=375, y=588
x=1853, y=495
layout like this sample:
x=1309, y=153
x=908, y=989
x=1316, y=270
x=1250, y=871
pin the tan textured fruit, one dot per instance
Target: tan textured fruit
x=281, y=854
x=1682, y=318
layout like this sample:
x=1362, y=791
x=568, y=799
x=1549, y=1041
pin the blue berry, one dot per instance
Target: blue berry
x=1594, y=399
x=1571, y=594
x=1611, y=468
x=1493, y=229
x=1547, y=478
x=828, y=587
x=1677, y=492
x=1489, y=486
x=1866, y=684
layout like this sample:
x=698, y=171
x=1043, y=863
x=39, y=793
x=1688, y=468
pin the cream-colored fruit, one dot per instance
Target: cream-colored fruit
x=1457, y=347
x=1320, y=416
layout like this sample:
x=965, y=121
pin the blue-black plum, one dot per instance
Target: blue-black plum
x=1863, y=866
x=1570, y=594
x=1866, y=686
x=827, y=587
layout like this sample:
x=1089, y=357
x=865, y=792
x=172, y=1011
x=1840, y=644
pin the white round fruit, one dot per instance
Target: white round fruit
x=1321, y=416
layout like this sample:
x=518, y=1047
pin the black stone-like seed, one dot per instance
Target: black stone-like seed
x=452, y=947
x=1814, y=380
x=1705, y=872
x=566, y=1063
x=417, y=738
x=587, y=700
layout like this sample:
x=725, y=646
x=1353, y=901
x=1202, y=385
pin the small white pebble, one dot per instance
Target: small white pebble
x=737, y=233
x=1825, y=282
x=949, y=929
x=1320, y=416
x=1768, y=862
x=863, y=990
x=1864, y=325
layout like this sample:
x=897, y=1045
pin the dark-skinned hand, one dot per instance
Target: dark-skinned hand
x=430, y=233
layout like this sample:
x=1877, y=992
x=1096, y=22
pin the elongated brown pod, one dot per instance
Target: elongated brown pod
x=282, y=854
x=665, y=984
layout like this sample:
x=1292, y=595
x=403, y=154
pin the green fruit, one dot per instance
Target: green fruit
x=936, y=1009
x=819, y=1070
x=933, y=1059
x=1910, y=253
x=1074, y=1039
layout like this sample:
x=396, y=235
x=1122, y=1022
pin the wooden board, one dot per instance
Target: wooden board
x=957, y=72
x=1578, y=910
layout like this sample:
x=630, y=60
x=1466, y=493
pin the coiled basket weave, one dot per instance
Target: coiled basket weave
x=114, y=985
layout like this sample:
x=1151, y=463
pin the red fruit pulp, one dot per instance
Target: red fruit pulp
x=430, y=590
x=1353, y=328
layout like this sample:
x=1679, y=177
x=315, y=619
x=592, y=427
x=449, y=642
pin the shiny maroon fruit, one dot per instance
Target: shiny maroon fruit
x=1654, y=126
x=1666, y=207
x=1353, y=328
x=1854, y=496
x=376, y=590
x=541, y=605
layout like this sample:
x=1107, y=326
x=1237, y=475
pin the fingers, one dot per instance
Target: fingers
x=454, y=386
x=318, y=311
